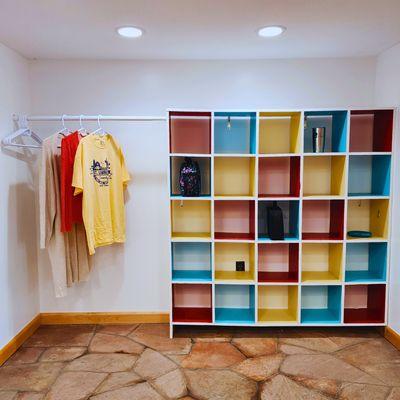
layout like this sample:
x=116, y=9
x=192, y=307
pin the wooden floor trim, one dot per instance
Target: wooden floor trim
x=392, y=336
x=13, y=345
x=103, y=318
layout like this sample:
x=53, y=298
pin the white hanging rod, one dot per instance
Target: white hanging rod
x=92, y=118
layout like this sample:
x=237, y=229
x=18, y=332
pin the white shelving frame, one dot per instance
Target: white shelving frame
x=301, y=198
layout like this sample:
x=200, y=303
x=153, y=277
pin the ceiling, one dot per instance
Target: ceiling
x=198, y=29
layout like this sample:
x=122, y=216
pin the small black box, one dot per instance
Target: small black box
x=240, y=266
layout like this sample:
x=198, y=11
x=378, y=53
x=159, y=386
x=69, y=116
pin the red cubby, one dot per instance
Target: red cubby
x=323, y=220
x=364, y=304
x=192, y=303
x=190, y=132
x=279, y=177
x=234, y=219
x=371, y=130
x=278, y=262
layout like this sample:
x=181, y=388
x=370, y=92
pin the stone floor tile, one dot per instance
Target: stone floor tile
x=325, y=366
x=260, y=368
x=171, y=385
x=102, y=343
x=356, y=391
x=253, y=347
x=394, y=394
x=329, y=387
x=66, y=335
x=118, y=380
x=288, y=349
x=212, y=355
x=75, y=385
x=282, y=388
x=122, y=330
x=152, y=364
x=321, y=344
x=387, y=373
x=219, y=385
x=177, y=359
x=161, y=330
x=8, y=395
x=29, y=396
x=53, y=354
x=141, y=391
x=163, y=344
x=25, y=355
x=369, y=353
x=103, y=363
x=29, y=377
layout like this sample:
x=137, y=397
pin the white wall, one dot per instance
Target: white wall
x=134, y=277
x=387, y=93
x=19, y=300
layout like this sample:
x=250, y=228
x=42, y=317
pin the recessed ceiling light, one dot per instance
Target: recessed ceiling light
x=130, y=32
x=271, y=31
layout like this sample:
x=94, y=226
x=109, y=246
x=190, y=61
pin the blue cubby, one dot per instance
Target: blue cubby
x=335, y=124
x=321, y=304
x=290, y=210
x=191, y=262
x=366, y=262
x=235, y=133
x=234, y=304
x=369, y=175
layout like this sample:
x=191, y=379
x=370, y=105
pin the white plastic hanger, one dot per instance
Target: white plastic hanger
x=82, y=130
x=23, y=131
x=99, y=130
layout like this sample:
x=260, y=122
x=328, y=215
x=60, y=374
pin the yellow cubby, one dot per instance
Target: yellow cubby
x=279, y=132
x=234, y=176
x=324, y=176
x=278, y=304
x=368, y=215
x=191, y=219
x=226, y=255
x=322, y=262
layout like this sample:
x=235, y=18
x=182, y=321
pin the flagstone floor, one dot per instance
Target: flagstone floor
x=140, y=362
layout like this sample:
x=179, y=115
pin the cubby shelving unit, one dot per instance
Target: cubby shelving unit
x=226, y=270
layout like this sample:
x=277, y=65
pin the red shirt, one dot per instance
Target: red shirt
x=71, y=206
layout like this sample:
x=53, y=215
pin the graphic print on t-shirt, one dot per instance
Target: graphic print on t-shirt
x=101, y=172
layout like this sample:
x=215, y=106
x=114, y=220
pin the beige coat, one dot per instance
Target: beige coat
x=68, y=253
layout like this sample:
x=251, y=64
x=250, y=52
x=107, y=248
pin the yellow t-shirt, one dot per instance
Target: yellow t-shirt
x=101, y=175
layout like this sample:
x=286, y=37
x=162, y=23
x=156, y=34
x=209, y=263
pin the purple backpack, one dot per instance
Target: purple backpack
x=190, y=178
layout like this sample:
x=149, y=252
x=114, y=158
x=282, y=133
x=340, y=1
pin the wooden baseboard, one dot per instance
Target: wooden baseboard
x=392, y=336
x=12, y=346
x=103, y=318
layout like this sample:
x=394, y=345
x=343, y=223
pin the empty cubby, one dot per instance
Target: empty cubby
x=277, y=304
x=321, y=304
x=290, y=211
x=191, y=219
x=366, y=262
x=192, y=303
x=227, y=257
x=279, y=177
x=190, y=132
x=324, y=176
x=371, y=130
x=204, y=164
x=279, y=132
x=369, y=175
x=235, y=133
x=321, y=262
x=323, y=220
x=370, y=215
x=234, y=304
x=278, y=262
x=191, y=261
x=234, y=176
x=335, y=124
x=364, y=304
x=234, y=219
